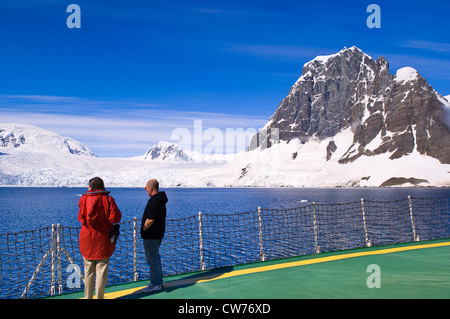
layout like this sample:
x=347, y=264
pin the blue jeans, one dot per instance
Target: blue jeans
x=151, y=247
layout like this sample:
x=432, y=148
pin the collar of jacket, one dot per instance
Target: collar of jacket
x=97, y=192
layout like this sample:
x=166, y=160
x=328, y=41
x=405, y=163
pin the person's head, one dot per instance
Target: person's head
x=152, y=187
x=96, y=184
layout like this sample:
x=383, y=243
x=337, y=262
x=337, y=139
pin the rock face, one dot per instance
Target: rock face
x=387, y=113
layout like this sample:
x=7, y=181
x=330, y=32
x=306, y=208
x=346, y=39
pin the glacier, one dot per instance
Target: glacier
x=271, y=167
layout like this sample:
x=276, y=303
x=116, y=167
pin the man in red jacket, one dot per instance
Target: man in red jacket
x=98, y=212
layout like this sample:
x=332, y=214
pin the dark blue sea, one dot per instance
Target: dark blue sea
x=33, y=208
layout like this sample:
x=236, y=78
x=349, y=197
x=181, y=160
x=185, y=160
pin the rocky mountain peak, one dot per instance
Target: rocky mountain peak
x=165, y=151
x=349, y=89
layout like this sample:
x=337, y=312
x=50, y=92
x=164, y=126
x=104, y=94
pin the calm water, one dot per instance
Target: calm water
x=33, y=208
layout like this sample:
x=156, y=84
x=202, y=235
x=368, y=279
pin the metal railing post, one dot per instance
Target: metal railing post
x=200, y=235
x=363, y=208
x=416, y=237
x=262, y=256
x=52, y=260
x=316, y=246
x=135, y=272
x=58, y=254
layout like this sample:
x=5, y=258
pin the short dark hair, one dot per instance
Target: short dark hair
x=96, y=183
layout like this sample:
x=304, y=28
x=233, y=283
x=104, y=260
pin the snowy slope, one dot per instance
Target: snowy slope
x=275, y=166
x=32, y=156
x=406, y=74
x=28, y=138
x=445, y=100
x=272, y=167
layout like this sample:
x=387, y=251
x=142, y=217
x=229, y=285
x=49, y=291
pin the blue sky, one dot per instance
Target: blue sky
x=138, y=69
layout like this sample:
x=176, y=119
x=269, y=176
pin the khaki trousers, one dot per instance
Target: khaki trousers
x=95, y=270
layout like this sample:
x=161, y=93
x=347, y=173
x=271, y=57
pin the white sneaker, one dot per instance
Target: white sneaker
x=151, y=288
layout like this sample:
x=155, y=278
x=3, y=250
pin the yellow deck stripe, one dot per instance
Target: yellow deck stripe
x=117, y=294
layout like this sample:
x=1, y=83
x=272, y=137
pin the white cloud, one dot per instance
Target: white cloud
x=428, y=45
x=206, y=10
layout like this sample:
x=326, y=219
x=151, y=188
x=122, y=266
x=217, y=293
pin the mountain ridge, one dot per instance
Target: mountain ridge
x=166, y=151
x=350, y=89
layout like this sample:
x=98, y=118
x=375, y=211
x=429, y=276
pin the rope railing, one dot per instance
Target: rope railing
x=47, y=261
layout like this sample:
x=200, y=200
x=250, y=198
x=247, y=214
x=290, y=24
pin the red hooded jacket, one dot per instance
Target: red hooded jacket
x=98, y=211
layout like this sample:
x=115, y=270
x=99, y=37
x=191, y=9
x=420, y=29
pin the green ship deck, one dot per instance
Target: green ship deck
x=407, y=271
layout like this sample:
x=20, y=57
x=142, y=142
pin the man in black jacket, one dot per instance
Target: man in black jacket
x=152, y=232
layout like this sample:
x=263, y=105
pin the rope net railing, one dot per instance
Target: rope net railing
x=47, y=261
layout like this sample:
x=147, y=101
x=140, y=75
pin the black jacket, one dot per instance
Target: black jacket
x=156, y=210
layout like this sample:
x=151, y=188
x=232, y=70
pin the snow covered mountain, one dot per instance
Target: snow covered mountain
x=350, y=89
x=32, y=156
x=347, y=121
x=33, y=139
x=350, y=109
x=165, y=151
